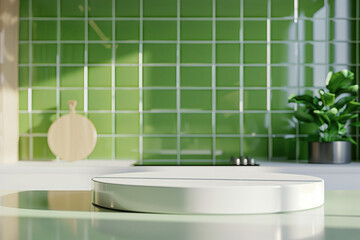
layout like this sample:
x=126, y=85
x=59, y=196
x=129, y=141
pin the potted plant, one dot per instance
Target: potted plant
x=332, y=111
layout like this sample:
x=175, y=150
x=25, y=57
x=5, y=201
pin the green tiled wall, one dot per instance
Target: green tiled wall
x=180, y=81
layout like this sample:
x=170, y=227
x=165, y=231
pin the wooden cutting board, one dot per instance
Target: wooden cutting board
x=72, y=136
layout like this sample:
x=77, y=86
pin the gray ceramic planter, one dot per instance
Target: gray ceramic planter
x=330, y=152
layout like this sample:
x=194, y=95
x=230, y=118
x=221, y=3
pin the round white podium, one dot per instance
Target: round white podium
x=207, y=193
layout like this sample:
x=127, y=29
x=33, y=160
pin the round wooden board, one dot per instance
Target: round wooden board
x=72, y=136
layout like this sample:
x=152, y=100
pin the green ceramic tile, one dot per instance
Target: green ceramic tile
x=41, y=151
x=99, y=76
x=313, y=30
x=282, y=8
x=159, y=76
x=127, y=53
x=307, y=128
x=227, y=53
x=256, y=147
x=255, y=99
x=337, y=28
x=283, y=30
x=313, y=53
x=255, y=8
x=227, y=76
x=126, y=76
x=127, y=148
x=101, y=8
x=127, y=8
x=127, y=30
x=44, y=99
x=196, y=30
x=255, y=123
x=195, y=76
x=44, y=53
x=285, y=53
x=159, y=53
x=71, y=76
x=196, y=99
x=336, y=58
x=23, y=76
x=102, y=122
x=283, y=123
x=126, y=99
x=279, y=99
x=23, y=53
x=160, y=30
x=72, y=30
x=312, y=76
x=43, y=8
x=336, y=10
x=254, y=30
x=312, y=9
x=227, y=99
x=100, y=53
x=196, y=123
x=100, y=30
x=24, y=8
x=73, y=53
x=227, y=147
x=44, y=30
x=227, y=123
x=66, y=95
x=283, y=76
x=195, y=53
x=159, y=147
x=99, y=99
x=24, y=148
x=303, y=145
x=228, y=8
x=160, y=8
x=227, y=30
x=23, y=100
x=284, y=149
x=196, y=8
x=42, y=121
x=72, y=8
x=160, y=123
x=127, y=123
x=43, y=76
x=159, y=99
x=23, y=30
x=254, y=76
x=103, y=149
x=254, y=53
x=196, y=148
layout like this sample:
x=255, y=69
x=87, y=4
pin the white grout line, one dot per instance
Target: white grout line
x=213, y=82
x=185, y=18
x=113, y=62
x=187, y=41
x=58, y=60
x=178, y=91
x=31, y=140
x=186, y=64
x=297, y=74
x=241, y=79
x=141, y=86
x=86, y=54
x=268, y=78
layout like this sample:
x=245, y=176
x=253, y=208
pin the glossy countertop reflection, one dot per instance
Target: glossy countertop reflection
x=70, y=215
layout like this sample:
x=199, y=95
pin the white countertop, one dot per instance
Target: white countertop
x=76, y=175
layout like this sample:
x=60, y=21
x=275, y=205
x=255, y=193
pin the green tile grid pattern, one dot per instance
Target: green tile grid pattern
x=181, y=81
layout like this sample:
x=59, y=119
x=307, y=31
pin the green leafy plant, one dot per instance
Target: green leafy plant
x=333, y=111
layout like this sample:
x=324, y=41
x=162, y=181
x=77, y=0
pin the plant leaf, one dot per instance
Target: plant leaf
x=341, y=79
x=332, y=113
x=304, y=99
x=303, y=116
x=355, y=124
x=323, y=115
x=345, y=117
x=342, y=102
